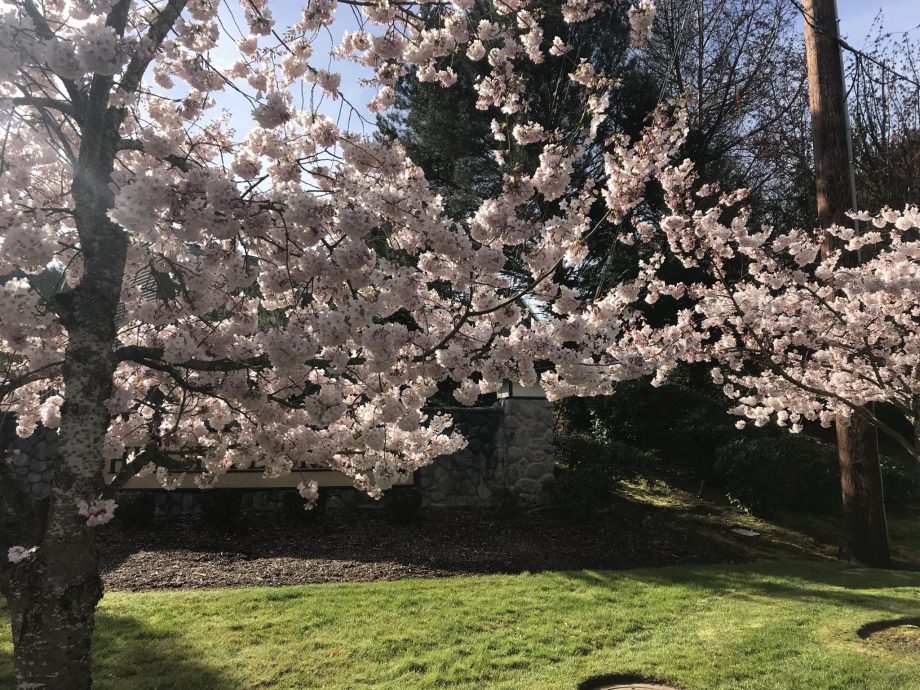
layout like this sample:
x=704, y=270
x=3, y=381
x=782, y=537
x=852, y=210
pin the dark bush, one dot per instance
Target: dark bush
x=220, y=508
x=690, y=438
x=135, y=508
x=901, y=479
x=800, y=473
x=582, y=491
x=588, y=470
x=780, y=472
x=506, y=504
x=401, y=505
x=681, y=424
x=612, y=457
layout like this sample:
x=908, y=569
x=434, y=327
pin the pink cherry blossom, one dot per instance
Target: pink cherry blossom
x=97, y=512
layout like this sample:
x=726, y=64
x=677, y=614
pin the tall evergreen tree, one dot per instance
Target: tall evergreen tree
x=453, y=142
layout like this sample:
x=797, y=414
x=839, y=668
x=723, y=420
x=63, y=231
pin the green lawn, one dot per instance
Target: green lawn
x=788, y=625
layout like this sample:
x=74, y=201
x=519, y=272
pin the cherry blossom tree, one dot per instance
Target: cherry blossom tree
x=796, y=334
x=310, y=290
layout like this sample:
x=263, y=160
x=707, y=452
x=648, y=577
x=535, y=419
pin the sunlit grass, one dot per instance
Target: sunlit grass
x=782, y=625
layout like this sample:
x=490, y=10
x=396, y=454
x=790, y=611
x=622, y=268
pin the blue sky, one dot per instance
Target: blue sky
x=856, y=17
x=285, y=13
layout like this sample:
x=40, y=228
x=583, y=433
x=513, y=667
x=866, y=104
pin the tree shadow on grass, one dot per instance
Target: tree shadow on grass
x=802, y=582
x=128, y=655
x=6, y=659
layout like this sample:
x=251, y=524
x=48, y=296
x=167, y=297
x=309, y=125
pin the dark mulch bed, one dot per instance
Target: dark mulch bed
x=898, y=635
x=360, y=545
x=903, y=638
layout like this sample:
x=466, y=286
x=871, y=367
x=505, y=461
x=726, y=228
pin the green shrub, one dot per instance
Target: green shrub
x=781, y=472
x=615, y=458
x=686, y=434
x=901, y=480
x=680, y=424
x=800, y=473
x=588, y=469
x=580, y=492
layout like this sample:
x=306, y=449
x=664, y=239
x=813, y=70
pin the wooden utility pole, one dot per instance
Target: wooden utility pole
x=865, y=527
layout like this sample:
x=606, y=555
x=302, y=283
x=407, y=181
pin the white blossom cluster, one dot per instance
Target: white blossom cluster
x=293, y=295
x=98, y=512
x=20, y=554
x=641, y=18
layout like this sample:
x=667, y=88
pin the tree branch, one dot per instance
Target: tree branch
x=157, y=32
x=43, y=30
x=135, y=145
x=153, y=357
x=53, y=103
x=11, y=384
x=130, y=469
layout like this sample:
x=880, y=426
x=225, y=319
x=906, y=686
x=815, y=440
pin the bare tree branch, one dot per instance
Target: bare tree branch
x=180, y=162
x=129, y=470
x=158, y=31
x=11, y=384
x=153, y=357
x=45, y=31
x=52, y=103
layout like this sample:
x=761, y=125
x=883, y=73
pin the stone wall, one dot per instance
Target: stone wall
x=509, y=450
x=30, y=461
x=473, y=476
x=527, y=448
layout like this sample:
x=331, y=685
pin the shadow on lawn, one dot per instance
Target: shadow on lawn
x=128, y=655
x=800, y=582
x=6, y=661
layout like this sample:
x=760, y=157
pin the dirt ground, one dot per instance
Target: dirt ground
x=361, y=545
x=899, y=636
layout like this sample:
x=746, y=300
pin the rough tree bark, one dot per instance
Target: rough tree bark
x=865, y=527
x=53, y=597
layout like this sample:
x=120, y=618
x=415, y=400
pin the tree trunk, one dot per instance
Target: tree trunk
x=52, y=603
x=53, y=597
x=865, y=529
x=865, y=526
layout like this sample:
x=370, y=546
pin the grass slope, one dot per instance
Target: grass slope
x=780, y=625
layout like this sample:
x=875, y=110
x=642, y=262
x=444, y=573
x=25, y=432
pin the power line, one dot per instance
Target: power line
x=846, y=46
